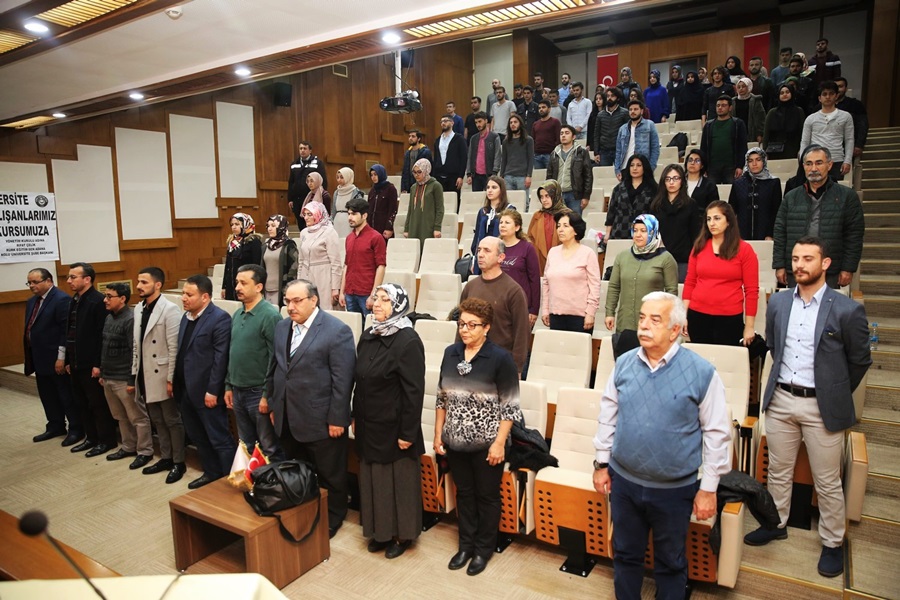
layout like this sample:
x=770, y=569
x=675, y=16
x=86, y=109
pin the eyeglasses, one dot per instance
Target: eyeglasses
x=296, y=300
x=417, y=171
x=110, y=296
x=673, y=179
x=694, y=161
x=469, y=326
x=30, y=283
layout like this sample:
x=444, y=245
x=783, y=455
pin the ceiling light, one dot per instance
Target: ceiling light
x=242, y=71
x=390, y=38
x=59, y=115
x=136, y=96
x=36, y=27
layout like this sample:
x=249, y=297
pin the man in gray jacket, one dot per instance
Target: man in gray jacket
x=484, y=154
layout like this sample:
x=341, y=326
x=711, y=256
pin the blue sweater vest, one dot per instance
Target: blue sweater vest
x=658, y=442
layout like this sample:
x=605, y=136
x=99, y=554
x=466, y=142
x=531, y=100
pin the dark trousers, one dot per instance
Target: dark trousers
x=448, y=183
x=721, y=174
x=330, y=459
x=56, y=397
x=208, y=429
x=98, y=422
x=835, y=172
x=725, y=330
x=607, y=157
x=636, y=511
x=479, y=182
x=477, y=500
x=568, y=323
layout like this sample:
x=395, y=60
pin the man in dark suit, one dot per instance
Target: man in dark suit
x=46, y=315
x=820, y=352
x=450, y=158
x=308, y=390
x=200, y=367
x=84, y=341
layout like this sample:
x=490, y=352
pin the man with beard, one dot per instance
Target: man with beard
x=762, y=85
x=656, y=429
x=831, y=128
x=538, y=88
x=819, y=341
x=566, y=88
x=305, y=164
x=471, y=130
x=546, y=135
x=578, y=111
x=824, y=209
x=528, y=110
x=606, y=129
x=492, y=98
x=780, y=73
x=365, y=259
x=725, y=141
x=721, y=84
x=500, y=112
x=484, y=155
x=827, y=64
x=804, y=96
x=450, y=158
x=638, y=136
x=417, y=149
x=557, y=111
x=858, y=111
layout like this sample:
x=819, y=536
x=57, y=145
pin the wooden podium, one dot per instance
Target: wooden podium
x=216, y=531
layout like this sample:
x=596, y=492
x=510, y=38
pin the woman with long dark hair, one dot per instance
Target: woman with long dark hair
x=598, y=105
x=735, y=72
x=699, y=186
x=517, y=161
x=721, y=291
x=784, y=126
x=630, y=198
x=679, y=218
x=521, y=260
x=756, y=197
x=487, y=221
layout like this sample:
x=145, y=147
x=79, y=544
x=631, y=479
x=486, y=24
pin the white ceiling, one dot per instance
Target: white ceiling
x=209, y=34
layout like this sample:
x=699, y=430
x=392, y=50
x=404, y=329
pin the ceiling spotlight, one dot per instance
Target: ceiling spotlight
x=36, y=27
x=174, y=12
x=136, y=96
x=390, y=38
x=59, y=115
x=242, y=71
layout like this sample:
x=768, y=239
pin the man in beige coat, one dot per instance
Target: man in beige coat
x=156, y=322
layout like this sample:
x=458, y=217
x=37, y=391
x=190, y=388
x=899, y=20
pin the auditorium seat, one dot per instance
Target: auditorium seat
x=399, y=222
x=668, y=155
x=439, y=255
x=516, y=198
x=782, y=168
x=435, y=336
x=600, y=331
x=403, y=254
x=438, y=490
x=613, y=249
x=724, y=191
x=764, y=251
x=405, y=279
x=450, y=201
x=558, y=359
x=606, y=360
x=538, y=176
x=353, y=320
x=470, y=202
x=604, y=173
x=229, y=306
x=450, y=225
x=395, y=179
x=174, y=298
x=517, y=489
x=438, y=294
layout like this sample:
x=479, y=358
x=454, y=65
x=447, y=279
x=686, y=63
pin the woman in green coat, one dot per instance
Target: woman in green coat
x=426, y=204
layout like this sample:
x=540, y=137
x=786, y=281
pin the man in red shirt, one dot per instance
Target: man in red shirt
x=365, y=260
x=545, y=132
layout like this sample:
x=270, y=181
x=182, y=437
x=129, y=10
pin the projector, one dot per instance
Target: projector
x=402, y=104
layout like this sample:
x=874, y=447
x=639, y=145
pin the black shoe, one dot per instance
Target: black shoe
x=376, y=546
x=200, y=481
x=140, y=461
x=72, y=438
x=332, y=531
x=177, y=472
x=831, y=561
x=397, y=548
x=163, y=464
x=477, y=565
x=98, y=450
x=85, y=445
x=120, y=454
x=47, y=435
x=459, y=560
x=762, y=536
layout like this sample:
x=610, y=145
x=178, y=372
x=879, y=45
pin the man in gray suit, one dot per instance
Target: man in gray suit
x=820, y=349
x=308, y=389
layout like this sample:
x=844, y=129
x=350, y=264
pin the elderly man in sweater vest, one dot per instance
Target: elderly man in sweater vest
x=663, y=412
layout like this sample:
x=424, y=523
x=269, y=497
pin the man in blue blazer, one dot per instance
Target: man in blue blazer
x=200, y=367
x=46, y=316
x=820, y=349
x=308, y=390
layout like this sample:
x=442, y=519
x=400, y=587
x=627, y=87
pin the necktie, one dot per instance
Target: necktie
x=296, y=339
x=34, y=313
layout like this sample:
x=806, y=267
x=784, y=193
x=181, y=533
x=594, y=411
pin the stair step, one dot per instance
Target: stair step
x=881, y=205
x=880, y=220
x=887, y=235
x=875, y=171
x=882, y=497
x=879, y=183
x=888, y=285
x=880, y=307
x=886, y=358
x=878, y=267
x=873, y=548
x=14, y=378
x=883, y=399
x=880, y=250
x=882, y=193
x=882, y=434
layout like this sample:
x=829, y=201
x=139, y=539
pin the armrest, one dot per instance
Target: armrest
x=731, y=550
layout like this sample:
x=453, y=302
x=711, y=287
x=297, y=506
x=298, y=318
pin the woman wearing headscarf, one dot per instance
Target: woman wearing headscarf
x=344, y=193
x=656, y=97
x=320, y=254
x=383, y=202
x=542, y=229
x=689, y=104
x=244, y=247
x=425, y=212
x=387, y=424
x=647, y=268
x=279, y=259
x=735, y=72
x=755, y=197
x=630, y=198
x=749, y=108
x=627, y=82
x=784, y=126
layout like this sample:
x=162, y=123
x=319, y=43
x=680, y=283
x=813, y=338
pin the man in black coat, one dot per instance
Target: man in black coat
x=450, y=158
x=305, y=164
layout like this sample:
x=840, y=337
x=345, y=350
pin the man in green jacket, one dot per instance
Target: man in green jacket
x=825, y=209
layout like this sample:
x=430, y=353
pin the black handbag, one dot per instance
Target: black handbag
x=282, y=485
x=463, y=266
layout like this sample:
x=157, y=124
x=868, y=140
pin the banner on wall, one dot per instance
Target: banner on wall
x=608, y=69
x=756, y=44
x=28, y=227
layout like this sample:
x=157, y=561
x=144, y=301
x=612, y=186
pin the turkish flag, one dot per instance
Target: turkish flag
x=608, y=69
x=258, y=459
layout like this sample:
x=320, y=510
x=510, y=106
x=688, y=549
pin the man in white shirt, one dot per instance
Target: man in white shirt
x=578, y=111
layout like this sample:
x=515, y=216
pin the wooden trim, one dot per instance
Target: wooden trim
x=333, y=159
x=211, y=223
x=14, y=296
x=57, y=146
x=148, y=244
x=237, y=202
x=733, y=508
x=397, y=139
x=366, y=149
x=117, y=266
x=268, y=186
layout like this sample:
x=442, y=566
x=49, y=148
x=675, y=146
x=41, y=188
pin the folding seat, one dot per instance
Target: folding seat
x=724, y=192
x=438, y=490
x=606, y=360
x=516, y=198
x=439, y=255
x=353, y=320
x=558, y=359
x=538, y=176
x=229, y=306
x=764, y=251
x=399, y=222
x=613, y=248
x=403, y=254
x=405, y=279
x=435, y=336
x=438, y=294
x=668, y=155
x=450, y=226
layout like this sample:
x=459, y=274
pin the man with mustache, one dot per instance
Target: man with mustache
x=819, y=340
x=657, y=426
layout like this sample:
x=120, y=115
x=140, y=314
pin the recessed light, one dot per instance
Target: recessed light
x=136, y=96
x=59, y=115
x=390, y=38
x=242, y=71
x=35, y=27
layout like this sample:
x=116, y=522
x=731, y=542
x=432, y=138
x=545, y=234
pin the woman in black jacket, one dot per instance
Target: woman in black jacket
x=243, y=247
x=784, y=126
x=755, y=197
x=387, y=424
x=699, y=187
x=689, y=103
x=679, y=218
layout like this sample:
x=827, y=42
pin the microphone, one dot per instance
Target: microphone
x=34, y=523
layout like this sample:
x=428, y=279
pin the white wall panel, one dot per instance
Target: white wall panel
x=237, y=159
x=192, y=143
x=142, y=166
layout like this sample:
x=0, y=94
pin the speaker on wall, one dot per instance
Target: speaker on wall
x=282, y=93
x=406, y=59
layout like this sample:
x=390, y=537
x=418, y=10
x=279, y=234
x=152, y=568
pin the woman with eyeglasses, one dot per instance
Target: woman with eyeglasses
x=699, y=186
x=425, y=212
x=571, y=282
x=477, y=402
x=755, y=197
x=721, y=291
x=679, y=218
x=387, y=424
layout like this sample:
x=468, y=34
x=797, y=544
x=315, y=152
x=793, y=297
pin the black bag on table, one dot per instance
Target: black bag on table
x=282, y=485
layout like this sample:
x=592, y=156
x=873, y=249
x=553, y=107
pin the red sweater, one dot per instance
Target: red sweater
x=720, y=287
